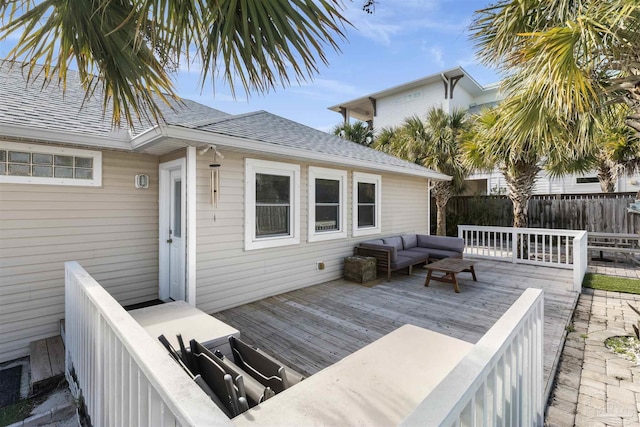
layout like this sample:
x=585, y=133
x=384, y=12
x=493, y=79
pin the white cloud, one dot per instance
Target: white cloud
x=391, y=20
x=327, y=89
x=467, y=60
x=435, y=53
x=335, y=86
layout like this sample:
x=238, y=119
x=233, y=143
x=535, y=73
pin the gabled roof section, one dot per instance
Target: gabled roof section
x=48, y=108
x=362, y=108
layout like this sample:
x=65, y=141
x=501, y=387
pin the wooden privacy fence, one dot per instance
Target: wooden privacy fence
x=603, y=213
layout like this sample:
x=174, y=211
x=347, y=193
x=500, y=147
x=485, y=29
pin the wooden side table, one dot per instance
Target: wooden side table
x=360, y=269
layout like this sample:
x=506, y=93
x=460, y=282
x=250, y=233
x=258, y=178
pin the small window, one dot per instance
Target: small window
x=587, y=180
x=272, y=204
x=41, y=164
x=367, y=195
x=327, y=204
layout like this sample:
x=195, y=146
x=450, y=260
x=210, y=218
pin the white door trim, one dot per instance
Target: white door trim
x=191, y=225
x=163, y=219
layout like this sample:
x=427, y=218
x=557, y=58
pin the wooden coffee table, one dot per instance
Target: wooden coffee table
x=450, y=267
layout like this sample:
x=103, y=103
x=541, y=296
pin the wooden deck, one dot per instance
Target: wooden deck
x=312, y=328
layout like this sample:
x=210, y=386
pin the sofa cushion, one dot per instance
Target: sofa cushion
x=455, y=244
x=418, y=254
x=401, y=262
x=394, y=241
x=373, y=242
x=409, y=241
x=442, y=253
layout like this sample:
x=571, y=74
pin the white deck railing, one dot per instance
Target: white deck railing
x=500, y=381
x=537, y=246
x=125, y=377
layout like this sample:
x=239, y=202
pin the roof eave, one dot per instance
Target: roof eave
x=199, y=137
x=399, y=88
x=65, y=137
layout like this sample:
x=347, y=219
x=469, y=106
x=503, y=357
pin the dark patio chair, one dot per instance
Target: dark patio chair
x=232, y=396
x=254, y=391
x=264, y=368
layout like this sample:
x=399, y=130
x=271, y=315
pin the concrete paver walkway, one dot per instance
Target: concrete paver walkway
x=594, y=386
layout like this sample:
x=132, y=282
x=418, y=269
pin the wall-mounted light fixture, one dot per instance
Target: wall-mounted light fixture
x=142, y=181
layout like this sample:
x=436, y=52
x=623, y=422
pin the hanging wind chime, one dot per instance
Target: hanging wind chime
x=215, y=179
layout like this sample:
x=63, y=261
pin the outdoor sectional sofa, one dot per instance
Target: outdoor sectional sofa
x=394, y=253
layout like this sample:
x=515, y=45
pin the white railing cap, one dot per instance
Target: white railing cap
x=545, y=231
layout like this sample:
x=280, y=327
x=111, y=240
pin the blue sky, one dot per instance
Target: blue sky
x=404, y=40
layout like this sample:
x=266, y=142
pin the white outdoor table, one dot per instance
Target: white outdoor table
x=178, y=317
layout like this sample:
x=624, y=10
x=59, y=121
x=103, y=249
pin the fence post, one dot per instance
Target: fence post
x=514, y=246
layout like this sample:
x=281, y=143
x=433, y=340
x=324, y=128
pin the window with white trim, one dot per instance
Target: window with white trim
x=327, y=204
x=272, y=204
x=41, y=164
x=367, y=197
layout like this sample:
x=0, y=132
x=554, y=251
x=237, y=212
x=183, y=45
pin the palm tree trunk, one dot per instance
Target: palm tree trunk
x=607, y=176
x=442, y=193
x=521, y=179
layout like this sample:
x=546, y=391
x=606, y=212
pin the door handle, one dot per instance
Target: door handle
x=170, y=241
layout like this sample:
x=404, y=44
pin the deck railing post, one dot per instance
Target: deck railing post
x=580, y=259
x=514, y=246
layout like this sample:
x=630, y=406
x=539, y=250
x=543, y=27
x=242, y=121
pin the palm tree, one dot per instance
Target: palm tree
x=433, y=143
x=493, y=143
x=358, y=132
x=126, y=49
x=615, y=148
x=567, y=57
x=486, y=148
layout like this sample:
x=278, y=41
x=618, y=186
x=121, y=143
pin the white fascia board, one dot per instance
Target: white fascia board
x=60, y=136
x=432, y=78
x=149, y=136
x=203, y=137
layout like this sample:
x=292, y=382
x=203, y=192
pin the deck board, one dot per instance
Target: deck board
x=314, y=327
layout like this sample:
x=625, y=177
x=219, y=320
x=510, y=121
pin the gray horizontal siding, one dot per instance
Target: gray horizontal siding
x=112, y=231
x=227, y=275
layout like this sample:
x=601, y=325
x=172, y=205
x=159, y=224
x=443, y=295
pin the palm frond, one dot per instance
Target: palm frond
x=124, y=50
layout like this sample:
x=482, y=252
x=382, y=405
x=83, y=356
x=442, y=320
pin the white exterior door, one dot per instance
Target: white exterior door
x=172, y=231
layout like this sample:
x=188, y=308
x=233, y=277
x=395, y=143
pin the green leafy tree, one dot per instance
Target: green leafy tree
x=434, y=143
x=127, y=49
x=358, y=132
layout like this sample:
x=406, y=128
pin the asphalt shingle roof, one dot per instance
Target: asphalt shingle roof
x=272, y=129
x=49, y=107
x=34, y=106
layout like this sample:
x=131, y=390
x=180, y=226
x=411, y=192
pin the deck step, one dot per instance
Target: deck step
x=47, y=363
